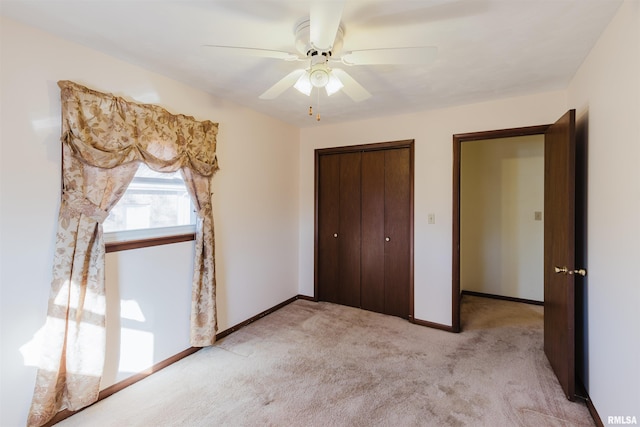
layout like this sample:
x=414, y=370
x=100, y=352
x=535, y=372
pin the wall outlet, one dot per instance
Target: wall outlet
x=537, y=216
x=431, y=218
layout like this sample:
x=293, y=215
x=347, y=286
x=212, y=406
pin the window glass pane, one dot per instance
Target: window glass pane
x=152, y=200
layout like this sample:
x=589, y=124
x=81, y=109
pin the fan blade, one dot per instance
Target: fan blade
x=324, y=21
x=252, y=51
x=285, y=83
x=401, y=55
x=352, y=88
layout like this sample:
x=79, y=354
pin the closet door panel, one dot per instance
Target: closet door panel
x=364, y=228
x=372, y=278
x=397, y=228
x=328, y=227
x=349, y=234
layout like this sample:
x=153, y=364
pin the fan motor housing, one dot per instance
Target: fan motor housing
x=304, y=46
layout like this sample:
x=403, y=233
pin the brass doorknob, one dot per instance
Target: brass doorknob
x=564, y=270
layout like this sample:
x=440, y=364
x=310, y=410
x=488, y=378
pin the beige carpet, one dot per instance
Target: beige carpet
x=320, y=364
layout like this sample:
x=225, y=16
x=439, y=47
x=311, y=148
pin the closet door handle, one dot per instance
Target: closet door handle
x=335, y=235
x=387, y=239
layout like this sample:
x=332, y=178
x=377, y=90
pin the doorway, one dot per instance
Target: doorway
x=560, y=270
x=458, y=139
x=501, y=218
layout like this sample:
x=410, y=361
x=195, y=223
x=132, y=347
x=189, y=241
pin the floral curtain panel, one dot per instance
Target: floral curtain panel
x=104, y=139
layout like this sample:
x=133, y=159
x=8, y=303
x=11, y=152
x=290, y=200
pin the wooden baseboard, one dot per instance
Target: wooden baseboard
x=240, y=325
x=161, y=365
x=502, y=297
x=412, y=320
x=594, y=412
x=434, y=325
x=582, y=394
x=64, y=414
x=144, y=374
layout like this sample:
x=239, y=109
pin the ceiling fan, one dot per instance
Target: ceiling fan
x=319, y=40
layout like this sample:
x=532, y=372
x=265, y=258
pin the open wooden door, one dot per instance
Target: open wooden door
x=559, y=239
x=559, y=250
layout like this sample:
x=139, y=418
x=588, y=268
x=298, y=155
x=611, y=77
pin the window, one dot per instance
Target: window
x=155, y=204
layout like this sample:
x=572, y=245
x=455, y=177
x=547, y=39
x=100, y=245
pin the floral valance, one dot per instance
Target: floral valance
x=105, y=131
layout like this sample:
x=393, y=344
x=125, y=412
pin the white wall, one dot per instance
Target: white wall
x=255, y=205
x=501, y=243
x=606, y=94
x=148, y=308
x=432, y=131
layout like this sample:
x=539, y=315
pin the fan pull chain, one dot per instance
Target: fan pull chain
x=318, y=106
x=310, y=107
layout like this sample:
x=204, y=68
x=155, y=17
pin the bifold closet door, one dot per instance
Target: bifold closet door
x=397, y=228
x=386, y=203
x=339, y=213
x=372, y=285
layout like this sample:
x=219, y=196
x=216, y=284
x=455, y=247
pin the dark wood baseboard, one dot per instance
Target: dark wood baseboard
x=64, y=414
x=410, y=319
x=502, y=297
x=582, y=394
x=161, y=365
x=142, y=375
x=476, y=294
x=434, y=325
x=594, y=412
x=240, y=325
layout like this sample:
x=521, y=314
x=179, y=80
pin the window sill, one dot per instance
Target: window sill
x=136, y=239
x=145, y=243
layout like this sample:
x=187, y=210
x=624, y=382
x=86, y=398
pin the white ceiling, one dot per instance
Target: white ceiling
x=487, y=49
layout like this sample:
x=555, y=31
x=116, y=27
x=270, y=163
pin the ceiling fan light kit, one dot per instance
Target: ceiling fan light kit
x=303, y=84
x=333, y=85
x=318, y=76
